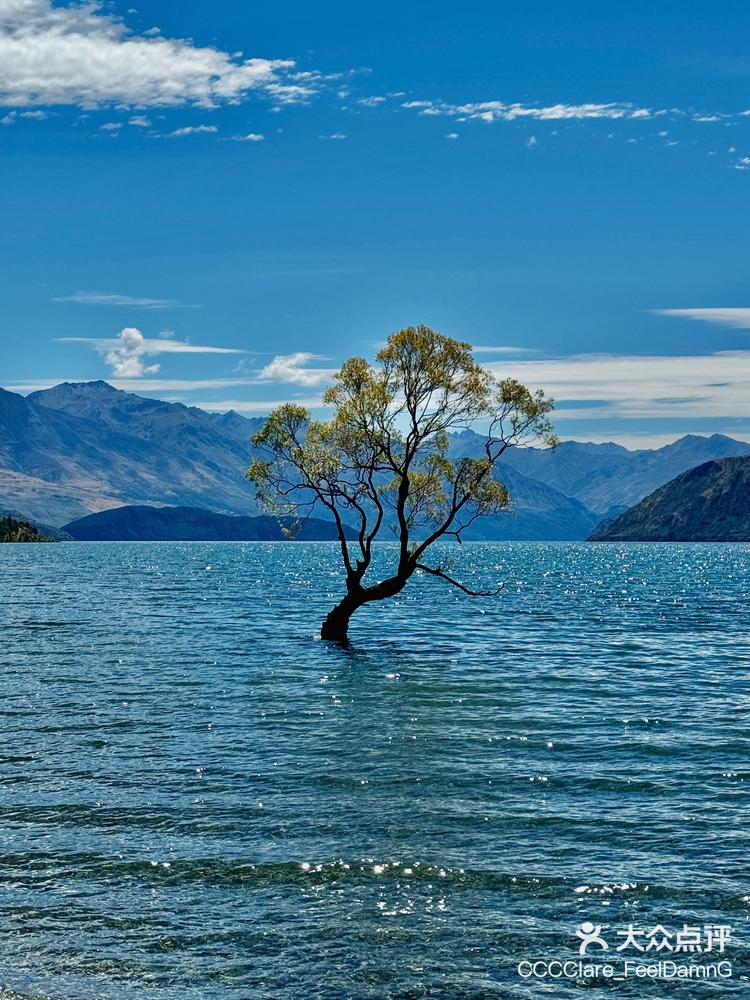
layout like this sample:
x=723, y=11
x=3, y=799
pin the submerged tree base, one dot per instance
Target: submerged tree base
x=335, y=627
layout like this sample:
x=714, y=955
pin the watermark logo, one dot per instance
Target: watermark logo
x=692, y=938
x=590, y=934
x=692, y=951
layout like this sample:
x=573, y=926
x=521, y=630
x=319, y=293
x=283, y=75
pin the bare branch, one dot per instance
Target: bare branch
x=449, y=579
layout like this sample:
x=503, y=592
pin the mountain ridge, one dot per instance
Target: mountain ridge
x=184, y=524
x=83, y=447
x=708, y=503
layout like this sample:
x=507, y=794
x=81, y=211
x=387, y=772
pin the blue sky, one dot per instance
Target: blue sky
x=254, y=191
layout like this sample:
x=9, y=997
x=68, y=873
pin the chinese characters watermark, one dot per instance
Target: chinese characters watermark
x=692, y=951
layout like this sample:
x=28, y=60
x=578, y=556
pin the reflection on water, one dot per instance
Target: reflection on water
x=199, y=799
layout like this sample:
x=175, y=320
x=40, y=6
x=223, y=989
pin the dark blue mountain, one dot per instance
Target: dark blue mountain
x=710, y=503
x=192, y=524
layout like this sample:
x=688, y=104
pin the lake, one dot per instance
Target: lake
x=199, y=798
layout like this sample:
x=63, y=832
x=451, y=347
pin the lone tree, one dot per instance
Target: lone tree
x=381, y=464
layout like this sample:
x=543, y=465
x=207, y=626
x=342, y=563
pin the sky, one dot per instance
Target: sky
x=218, y=203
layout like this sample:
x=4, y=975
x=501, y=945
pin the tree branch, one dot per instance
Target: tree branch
x=449, y=579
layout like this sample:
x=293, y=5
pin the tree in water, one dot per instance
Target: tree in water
x=381, y=464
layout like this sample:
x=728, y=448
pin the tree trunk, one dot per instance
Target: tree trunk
x=336, y=624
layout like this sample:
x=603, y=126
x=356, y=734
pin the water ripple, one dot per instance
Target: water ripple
x=200, y=799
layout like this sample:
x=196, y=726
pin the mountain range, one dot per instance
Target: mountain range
x=79, y=448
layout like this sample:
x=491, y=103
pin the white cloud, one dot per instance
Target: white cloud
x=639, y=386
x=505, y=349
x=192, y=130
x=491, y=111
x=738, y=318
x=334, y=136
x=126, y=360
x=140, y=384
x=371, y=102
x=452, y=136
x=140, y=121
x=112, y=299
x=82, y=54
x=250, y=137
x=257, y=405
x=531, y=142
x=125, y=353
x=289, y=368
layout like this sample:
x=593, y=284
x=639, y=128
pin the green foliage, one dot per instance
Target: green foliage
x=12, y=530
x=382, y=460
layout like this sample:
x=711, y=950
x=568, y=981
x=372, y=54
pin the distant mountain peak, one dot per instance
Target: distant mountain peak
x=95, y=385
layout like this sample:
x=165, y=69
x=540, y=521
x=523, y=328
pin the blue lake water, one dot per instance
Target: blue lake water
x=198, y=798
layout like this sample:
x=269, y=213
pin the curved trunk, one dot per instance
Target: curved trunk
x=336, y=624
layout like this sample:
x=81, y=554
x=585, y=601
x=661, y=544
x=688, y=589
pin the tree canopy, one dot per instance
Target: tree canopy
x=381, y=462
x=12, y=530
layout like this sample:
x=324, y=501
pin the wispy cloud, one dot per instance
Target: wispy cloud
x=127, y=301
x=179, y=133
x=738, y=318
x=594, y=387
x=596, y=391
x=504, y=349
x=139, y=384
x=125, y=353
x=14, y=116
x=257, y=405
x=83, y=54
x=492, y=111
x=250, y=137
x=292, y=369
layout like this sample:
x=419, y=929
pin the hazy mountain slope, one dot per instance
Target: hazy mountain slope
x=706, y=504
x=571, y=465
x=539, y=511
x=43, y=501
x=648, y=470
x=606, y=476
x=179, y=524
x=88, y=447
